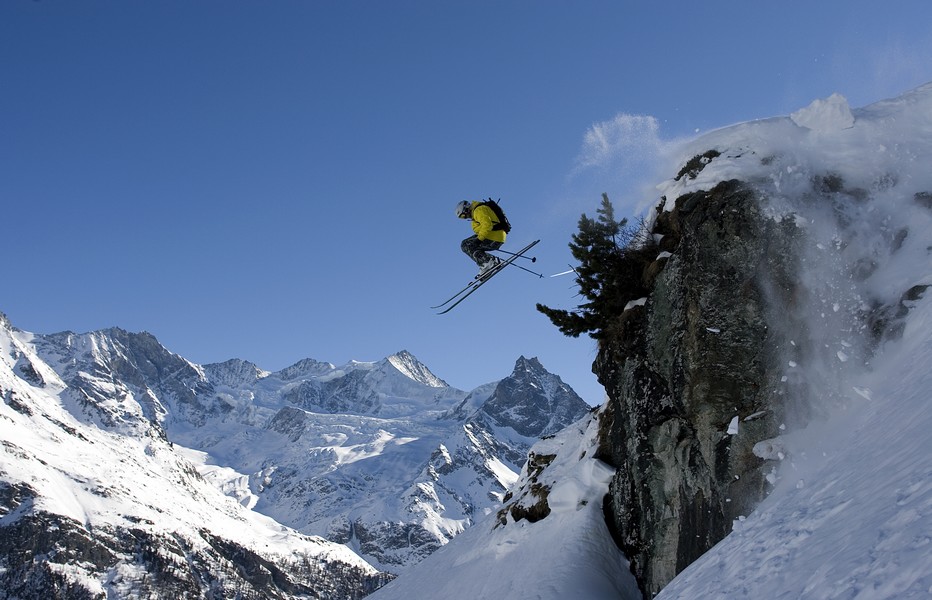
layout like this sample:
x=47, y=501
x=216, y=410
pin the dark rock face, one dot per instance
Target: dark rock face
x=154, y=565
x=382, y=538
x=537, y=507
x=290, y=422
x=47, y=556
x=534, y=402
x=688, y=368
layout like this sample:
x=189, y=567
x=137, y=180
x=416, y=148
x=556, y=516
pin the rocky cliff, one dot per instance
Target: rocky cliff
x=681, y=367
x=766, y=294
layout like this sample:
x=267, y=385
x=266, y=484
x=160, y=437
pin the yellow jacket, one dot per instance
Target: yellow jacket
x=483, y=219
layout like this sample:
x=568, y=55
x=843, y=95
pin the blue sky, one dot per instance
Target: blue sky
x=276, y=180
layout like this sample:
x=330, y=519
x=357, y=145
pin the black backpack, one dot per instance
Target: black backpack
x=503, y=224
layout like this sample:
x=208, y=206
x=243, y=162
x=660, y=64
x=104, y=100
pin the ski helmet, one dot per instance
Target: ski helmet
x=463, y=209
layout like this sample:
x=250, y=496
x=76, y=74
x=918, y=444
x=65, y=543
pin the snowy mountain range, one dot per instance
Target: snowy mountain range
x=96, y=501
x=267, y=484
x=849, y=510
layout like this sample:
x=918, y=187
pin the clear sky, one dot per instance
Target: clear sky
x=276, y=180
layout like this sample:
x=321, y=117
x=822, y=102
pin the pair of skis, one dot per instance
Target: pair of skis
x=475, y=284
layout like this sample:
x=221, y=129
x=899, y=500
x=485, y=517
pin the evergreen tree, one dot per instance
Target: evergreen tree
x=606, y=275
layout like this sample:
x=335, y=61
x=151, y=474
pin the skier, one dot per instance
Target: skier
x=488, y=234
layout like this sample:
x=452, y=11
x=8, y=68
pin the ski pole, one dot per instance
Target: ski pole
x=511, y=264
x=530, y=258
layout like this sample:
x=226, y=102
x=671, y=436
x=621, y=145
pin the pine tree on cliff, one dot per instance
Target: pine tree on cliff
x=608, y=275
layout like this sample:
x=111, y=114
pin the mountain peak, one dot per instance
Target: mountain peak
x=411, y=367
x=531, y=365
x=234, y=372
x=307, y=367
x=533, y=401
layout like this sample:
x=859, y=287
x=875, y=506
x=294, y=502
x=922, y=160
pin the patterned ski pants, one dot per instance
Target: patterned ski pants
x=478, y=249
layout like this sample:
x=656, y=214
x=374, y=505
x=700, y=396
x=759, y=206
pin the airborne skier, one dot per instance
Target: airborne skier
x=490, y=228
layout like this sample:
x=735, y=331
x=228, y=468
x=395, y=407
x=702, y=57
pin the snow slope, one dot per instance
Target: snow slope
x=850, y=515
x=569, y=554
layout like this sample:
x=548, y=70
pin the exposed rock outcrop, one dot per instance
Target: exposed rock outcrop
x=148, y=564
x=757, y=309
x=691, y=380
